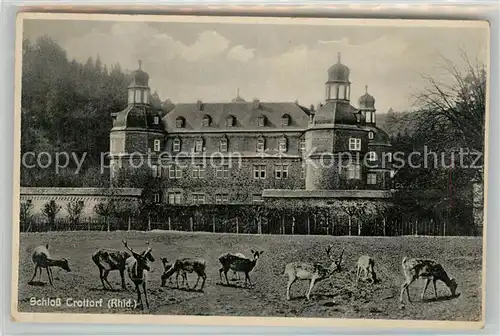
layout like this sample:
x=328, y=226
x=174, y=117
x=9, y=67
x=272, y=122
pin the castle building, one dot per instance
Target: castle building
x=244, y=152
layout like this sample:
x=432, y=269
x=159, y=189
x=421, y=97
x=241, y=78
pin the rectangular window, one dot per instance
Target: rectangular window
x=174, y=197
x=222, y=171
x=371, y=179
x=198, y=171
x=156, y=120
x=257, y=198
x=355, y=144
x=199, y=198
x=198, y=146
x=260, y=145
x=354, y=172
x=174, y=172
x=303, y=173
x=138, y=96
x=259, y=172
x=221, y=198
x=223, y=145
x=372, y=156
x=281, y=171
x=131, y=96
x=302, y=146
x=156, y=146
x=176, y=145
x=282, y=146
x=370, y=135
x=156, y=171
x=156, y=198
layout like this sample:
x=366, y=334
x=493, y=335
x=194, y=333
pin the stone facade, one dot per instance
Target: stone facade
x=267, y=145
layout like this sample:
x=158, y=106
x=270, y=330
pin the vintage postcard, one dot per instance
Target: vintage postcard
x=236, y=171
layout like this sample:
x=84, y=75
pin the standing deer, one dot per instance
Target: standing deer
x=187, y=265
x=236, y=275
x=236, y=263
x=426, y=269
x=366, y=265
x=311, y=271
x=42, y=259
x=137, y=267
x=110, y=260
x=166, y=267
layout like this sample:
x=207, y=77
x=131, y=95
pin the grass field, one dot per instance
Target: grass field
x=338, y=296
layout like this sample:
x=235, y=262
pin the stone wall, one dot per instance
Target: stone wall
x=62, y=196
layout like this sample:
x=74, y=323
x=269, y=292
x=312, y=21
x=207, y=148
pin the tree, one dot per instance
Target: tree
x=50, y=211
x=26, y=214
x=74, y=210
x=105, y=209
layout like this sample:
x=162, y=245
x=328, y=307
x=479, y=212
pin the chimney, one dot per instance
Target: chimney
x=311, y=108
x=256, y=103
x=296, y=102
x=199, y=104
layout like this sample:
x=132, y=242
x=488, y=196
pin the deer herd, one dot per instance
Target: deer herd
x=137, y=265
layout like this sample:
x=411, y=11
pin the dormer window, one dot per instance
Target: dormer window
x=156, y=120
x=302, y=146
x=207, y=121
x=261, y=121
x=198, y=145
x=260, y=144
x=371, y=135
x=230, y=121
x=285, y=120
x=223, y=145
x=372, y=156
x=283, y=145
x=176, y=145
x=179, y=122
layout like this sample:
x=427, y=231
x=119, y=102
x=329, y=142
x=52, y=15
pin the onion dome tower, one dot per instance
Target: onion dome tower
x=238, y=99
x=338, y=86
x=367, y=107
x=139, y=127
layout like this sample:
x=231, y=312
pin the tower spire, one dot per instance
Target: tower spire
x=338, y=57
x=238, y=92
x=366, y=88
x=140, y=64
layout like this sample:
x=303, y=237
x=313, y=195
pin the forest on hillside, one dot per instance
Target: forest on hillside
x=66, y=107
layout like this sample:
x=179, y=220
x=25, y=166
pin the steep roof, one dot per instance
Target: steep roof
x=336, y=112
x=246, y=115
x=137, y=116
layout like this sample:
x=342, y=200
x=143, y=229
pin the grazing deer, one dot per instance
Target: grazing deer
x=137, y=267
x=426, y=269
x=110, y=260
x=166, y=267
x=187, y=265
x=42, y=259
x=311, y=271
x=236, y=263
x=366, y=265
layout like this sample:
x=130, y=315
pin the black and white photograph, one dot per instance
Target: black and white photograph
x=225, y=170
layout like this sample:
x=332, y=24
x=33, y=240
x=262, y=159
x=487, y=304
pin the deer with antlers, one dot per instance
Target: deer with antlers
x=366, y=266
x=426, y=269
x=184, y=266
x=137, y=267
x=42, y=259
x=237, y=263
x=313, y=272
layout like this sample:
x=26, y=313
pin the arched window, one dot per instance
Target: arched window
x=180, y=122
x=261, y=144
x=261, y=121
x=285, y=120
x=176, y=145
x=207, y=121
x=370, y=135
x=283, y=145
x=230, y=121
x=223, y=145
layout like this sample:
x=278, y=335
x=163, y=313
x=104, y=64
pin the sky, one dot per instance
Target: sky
x=190, y=61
